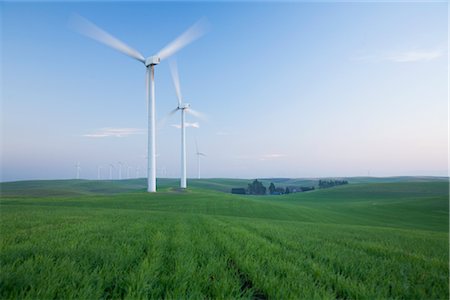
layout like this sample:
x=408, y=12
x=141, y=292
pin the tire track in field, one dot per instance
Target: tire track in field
x=281, y=270
x=247, y=287
x=323, y=266
x=217, y=263
x=178, y=268
x=246, y=283
x=323, y=276
x=355, y=276
x=363, y=247
x=145, y=280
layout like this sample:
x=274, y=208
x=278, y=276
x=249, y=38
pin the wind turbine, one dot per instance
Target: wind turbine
x=99, y=169
x=182, y=107
x=78, y=168
x=120, y=170
x=137, y=171
x=198, y=153
x=128, y=170
x=111, y=167
x=91, y=30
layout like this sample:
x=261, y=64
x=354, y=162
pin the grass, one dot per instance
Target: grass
x=87, y=239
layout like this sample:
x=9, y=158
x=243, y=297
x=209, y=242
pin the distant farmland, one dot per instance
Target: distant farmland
x=373, y=238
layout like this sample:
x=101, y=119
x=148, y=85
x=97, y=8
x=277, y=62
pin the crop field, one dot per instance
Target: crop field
x=78, y=239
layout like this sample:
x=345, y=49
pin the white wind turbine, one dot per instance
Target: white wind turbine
x=138, y=169
x=182, y=107
x=198, y=153
x=91, y=30
x=120, y=170
x=99, y=170
x=111, y=167
x=78, y=168
x=128, y=170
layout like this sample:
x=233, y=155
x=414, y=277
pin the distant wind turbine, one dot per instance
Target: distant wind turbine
x=91, y=30
x=198, y=153
x=78, y=168
x=111, y=167
x=182, y=107
x=99, y=169
x=137, y=172
x=128, y=171
x=120, y=170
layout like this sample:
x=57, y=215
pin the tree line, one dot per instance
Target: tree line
x=323, y=184
x=258, y=188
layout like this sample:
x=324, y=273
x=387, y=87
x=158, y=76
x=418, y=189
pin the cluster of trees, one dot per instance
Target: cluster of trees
x=256, y=188
x=240, y=191
x=323, y=184
x=277, y=190
x=307, y=188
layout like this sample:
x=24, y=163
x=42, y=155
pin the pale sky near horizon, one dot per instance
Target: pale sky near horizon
x=289, y=89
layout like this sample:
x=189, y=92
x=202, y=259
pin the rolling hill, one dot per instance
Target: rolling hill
x=111, y=239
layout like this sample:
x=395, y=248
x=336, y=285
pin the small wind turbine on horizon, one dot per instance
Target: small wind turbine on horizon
x=138, y=169
x=78, y=168
x=128, y=170
x=198, y=153
x=91, y=30
x=183, y=108
x=99, y=169
x=120, y=170
x=111, y=167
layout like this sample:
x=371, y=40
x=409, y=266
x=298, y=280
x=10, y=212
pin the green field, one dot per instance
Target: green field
x=370, y=239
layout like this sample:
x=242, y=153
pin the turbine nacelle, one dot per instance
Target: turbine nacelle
x=152, y=60
x=184, y=106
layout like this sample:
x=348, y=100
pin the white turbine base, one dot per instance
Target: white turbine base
x=151, y=172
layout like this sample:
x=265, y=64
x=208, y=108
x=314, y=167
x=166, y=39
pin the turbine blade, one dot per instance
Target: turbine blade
x=190, y=35
x=202, y=154
x=175, y=79
x=195, y=113
x=89, y=29
x=163, y=121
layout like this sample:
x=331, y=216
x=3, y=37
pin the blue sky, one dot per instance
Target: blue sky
x=290, y=89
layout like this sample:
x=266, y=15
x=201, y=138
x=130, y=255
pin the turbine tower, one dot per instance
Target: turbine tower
x=99, y=169
x=137, y=172
x=91, y=30
x=111, y=167
x=78, y=168
x=182, y=107
x=120, y=170
x=128, y=171
x=198, y=153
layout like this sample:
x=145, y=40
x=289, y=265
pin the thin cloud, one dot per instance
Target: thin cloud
x=114, y=132
x=271, y=156
x=367, y=58
x=415, y=56
x=187, y=124
x=222, y=133
x=403, y=57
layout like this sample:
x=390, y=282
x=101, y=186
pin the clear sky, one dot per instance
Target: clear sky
x=290, y=89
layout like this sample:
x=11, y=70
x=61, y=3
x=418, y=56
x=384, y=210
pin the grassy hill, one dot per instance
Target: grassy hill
x=111, y=239
x=89, y=187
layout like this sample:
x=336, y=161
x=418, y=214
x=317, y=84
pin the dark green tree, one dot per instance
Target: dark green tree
x=271, y=188
x=287, y=191
x=256, y=188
